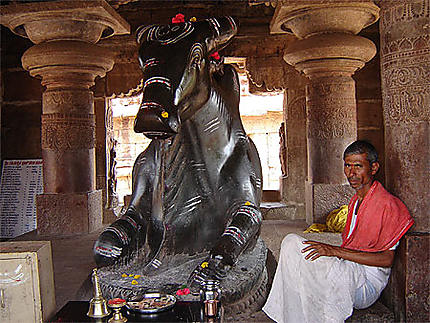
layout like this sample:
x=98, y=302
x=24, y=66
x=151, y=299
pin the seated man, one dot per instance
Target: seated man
x=323, y=283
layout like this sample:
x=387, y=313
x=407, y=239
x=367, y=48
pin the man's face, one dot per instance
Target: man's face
x=359, y=172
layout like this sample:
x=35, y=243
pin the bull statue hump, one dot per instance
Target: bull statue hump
x=197, y=187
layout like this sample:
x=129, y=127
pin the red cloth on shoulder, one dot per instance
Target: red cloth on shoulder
x=382, y=220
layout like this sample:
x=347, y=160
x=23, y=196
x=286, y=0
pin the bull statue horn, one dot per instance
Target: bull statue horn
x=223, y=29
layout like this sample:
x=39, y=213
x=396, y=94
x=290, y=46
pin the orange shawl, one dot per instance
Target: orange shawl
x=382, y=220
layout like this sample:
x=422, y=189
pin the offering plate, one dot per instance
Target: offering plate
x=151, y=303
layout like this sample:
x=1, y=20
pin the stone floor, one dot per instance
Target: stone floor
x=73, y=260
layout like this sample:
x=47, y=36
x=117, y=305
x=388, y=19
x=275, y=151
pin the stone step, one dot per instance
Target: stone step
x=277, y=211
x=378, y=312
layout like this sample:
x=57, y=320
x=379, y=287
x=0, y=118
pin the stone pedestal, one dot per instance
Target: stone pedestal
x=69, y=212
x=68, y=60
x=328, y=52
x=321, y=199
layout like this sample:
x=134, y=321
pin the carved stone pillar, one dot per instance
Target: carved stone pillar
x=66, y=58
x=293, y=181
x=405, y=68
x=328, y=52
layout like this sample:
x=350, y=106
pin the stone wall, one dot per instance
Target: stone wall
x=21, y=102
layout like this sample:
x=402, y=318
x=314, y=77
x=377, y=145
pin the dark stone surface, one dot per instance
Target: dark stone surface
x=20, y=86
x=375, y=313
x=76, y=311
x=20, y=130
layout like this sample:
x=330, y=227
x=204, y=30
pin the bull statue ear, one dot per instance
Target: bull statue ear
x=141, y=32
x=223, y=29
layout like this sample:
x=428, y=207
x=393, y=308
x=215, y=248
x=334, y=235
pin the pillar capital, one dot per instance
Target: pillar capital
x=84, y=20
x=327, y=43
x=67, y=63
x=307, y=18
x=330, y=54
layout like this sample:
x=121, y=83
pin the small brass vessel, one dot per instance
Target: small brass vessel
x=116, y=304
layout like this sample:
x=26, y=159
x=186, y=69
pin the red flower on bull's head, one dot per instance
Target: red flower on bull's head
x=216, y=56
x=178, y=18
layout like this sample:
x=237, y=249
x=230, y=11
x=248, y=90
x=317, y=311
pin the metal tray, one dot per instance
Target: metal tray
x=155, y=299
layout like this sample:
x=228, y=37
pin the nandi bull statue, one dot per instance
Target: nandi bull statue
x=194, y=212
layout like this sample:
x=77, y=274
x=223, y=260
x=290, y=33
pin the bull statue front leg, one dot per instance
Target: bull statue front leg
x=241, y=186
x=235, y=239
x=126, y=236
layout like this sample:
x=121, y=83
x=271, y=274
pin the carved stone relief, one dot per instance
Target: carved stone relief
x=68, y=131
x=405, y=69
x=293, y=188
x=403, y=11
x=68, y=101
x=405, y=60
x=296, y=115
x=283, y=158
x=331, y=109
x=267, y=74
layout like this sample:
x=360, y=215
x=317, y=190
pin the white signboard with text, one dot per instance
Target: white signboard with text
x=21, y=181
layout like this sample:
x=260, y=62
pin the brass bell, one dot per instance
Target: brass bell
x=98, y=305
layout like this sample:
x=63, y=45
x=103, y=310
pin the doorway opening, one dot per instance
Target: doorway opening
x=261, y=115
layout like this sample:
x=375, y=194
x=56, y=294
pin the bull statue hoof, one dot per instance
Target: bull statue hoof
x=194, y=213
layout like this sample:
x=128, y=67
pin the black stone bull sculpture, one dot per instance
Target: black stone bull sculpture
x=197, y=187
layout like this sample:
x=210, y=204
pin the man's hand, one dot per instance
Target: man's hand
x=318, y=249
x=378, y=259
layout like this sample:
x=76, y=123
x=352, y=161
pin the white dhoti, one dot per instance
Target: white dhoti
x=322, y=290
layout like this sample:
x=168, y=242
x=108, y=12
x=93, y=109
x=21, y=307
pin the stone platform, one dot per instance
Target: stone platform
x=244, y=282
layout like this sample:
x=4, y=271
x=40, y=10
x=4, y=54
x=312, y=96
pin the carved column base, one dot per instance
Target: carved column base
x=407, y=293
x=291, y=190
x=320, y=199
x=109, y=214
x=71, y=213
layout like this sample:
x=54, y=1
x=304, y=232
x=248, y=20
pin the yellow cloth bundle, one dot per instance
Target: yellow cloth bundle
x=335, y=222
